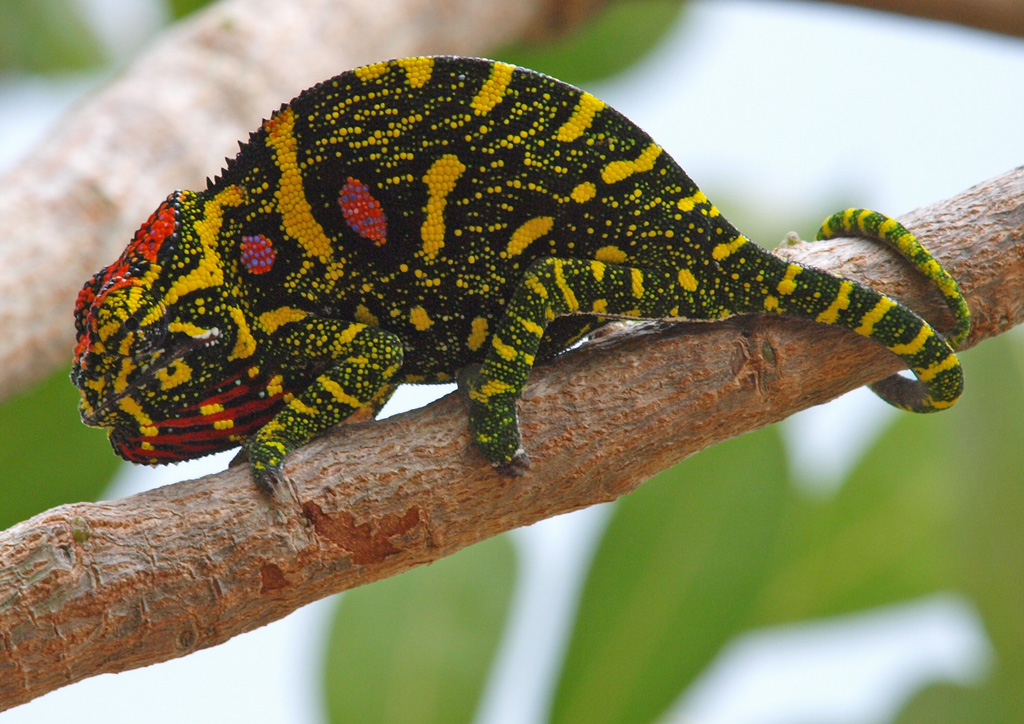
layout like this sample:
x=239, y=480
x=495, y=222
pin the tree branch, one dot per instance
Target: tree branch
x=102, y=587
x=997, y=16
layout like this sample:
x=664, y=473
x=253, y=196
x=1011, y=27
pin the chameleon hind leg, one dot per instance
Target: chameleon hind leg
x=360, y=360
x=550, y=288
x=929, y=355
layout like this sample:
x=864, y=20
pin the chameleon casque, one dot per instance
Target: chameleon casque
x=412, y=219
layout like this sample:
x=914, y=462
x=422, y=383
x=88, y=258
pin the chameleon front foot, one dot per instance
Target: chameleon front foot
x=516, y=467
x=266, y=452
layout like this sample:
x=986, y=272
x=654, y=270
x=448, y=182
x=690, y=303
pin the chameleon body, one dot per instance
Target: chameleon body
x=412, y=219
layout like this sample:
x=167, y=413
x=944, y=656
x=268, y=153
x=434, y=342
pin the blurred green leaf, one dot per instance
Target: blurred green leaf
x=48, y=456
x=951, y=704
x=417, y=648
x=181, y=8
x=672, y=580
x=620, y=34
x=42, y=36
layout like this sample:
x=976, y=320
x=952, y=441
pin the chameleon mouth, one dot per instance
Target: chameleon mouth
x=103, y=416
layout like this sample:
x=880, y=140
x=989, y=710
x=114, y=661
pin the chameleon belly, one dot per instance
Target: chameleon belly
x=407, y=220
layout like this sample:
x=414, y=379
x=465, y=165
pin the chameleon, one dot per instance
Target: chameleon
x=428, y=219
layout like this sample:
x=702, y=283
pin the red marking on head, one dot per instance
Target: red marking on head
x=363, y=213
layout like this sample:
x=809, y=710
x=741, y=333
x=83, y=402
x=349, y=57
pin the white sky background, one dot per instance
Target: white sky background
x=783, y=105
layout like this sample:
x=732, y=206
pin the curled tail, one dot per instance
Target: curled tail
x=823, y=297
x=929, y=354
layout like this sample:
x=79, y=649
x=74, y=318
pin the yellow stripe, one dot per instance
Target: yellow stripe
x=528, y=233
x=687, y=280
x=371, y=72
x=598, y=269
x=567, y=293
x=245, y=344
x=209, y=271
x=687, y=203
x=869, y=320
x=270, y=321
x=532, y=327
x=787, y=285
x=504, y=351
x=440, y=180
x=296, y=213
x=211, y=409
x=841, y=302
x=493, y=91
x=638, y=282
x=723, y=250
x=916, y=344
x=618, y=170
x=581, y=118
x=478, y=334
x=338, y=393
x=132, y=407
x=929, y=373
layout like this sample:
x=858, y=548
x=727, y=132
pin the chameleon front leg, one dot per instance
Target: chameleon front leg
x=550, y=288
x=362, y=360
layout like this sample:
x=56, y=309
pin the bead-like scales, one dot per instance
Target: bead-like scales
x=409, y=220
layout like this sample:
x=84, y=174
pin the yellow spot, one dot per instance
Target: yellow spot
x=493, y=91
x=888, y=226
x=536, y=287
x=532, y=327
x=583, y=192
x=841, y=302
x=296, y=213
x=270, y=321
x=869, y=320
x=440, y=179
x=170, y=379
x=581, y=118
x=338, y=393
x=929, y=373
x=638, y=282
x=723, y=250
x=223, y=424
x=371, y=72
x=504, y=351
x=420, y=319
x=600, y=306
x=211, y=409
x=687, y=280
x=302, y=408
x=567, y=293
x=478, y=334
x=365, y=316
x=610, y=255
x=771, y=304
x=245, y=345
x=916, y=344
x=417, y=70
x=618, y=170
x=687, y=203
x=274, y=386
x=528, y=233
x=787, y=285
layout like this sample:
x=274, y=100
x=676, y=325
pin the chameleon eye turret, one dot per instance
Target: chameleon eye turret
x=416, y=219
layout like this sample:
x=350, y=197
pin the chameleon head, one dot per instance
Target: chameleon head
x=146, y=325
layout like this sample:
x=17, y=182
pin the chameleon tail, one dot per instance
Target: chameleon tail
x=813, y=294
x=873, y=225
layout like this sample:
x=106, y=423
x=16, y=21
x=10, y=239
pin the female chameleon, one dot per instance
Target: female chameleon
x=412, y=219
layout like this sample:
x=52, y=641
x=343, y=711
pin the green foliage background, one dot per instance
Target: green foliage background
x=723, y=544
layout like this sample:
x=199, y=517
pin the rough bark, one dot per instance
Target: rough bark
x=103, y=587
x=997, y=16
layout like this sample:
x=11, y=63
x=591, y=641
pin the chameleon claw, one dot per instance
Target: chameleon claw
x=268, y=479
x=516, y=467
